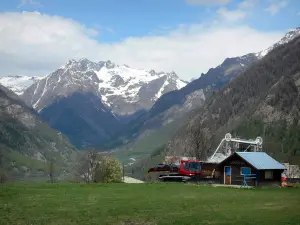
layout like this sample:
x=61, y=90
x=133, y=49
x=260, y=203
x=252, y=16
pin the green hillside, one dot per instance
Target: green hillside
x=27, y=145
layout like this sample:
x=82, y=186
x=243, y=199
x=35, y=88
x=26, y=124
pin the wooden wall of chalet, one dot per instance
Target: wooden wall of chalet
x=236, y=163
x=237, y=179
x=272, y=182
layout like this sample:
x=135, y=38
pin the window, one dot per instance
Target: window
x=268, y=174
x=245, y=170
x=186, y=166
x=195, y=166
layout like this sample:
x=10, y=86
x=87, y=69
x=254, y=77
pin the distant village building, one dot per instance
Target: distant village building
x=256, y=168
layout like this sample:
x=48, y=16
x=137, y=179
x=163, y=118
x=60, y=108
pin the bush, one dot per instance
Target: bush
x=108, y=170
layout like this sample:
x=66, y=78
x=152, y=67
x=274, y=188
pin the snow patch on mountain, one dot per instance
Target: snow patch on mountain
x=180, y=84
x=161, y=90
x=18, y=84
x=122, y=89
x=293, y=33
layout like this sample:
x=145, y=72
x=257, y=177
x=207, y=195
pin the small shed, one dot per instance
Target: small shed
x=250, y=168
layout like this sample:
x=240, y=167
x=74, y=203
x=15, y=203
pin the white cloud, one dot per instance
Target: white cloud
x=248, y=3
x=243, y=10
x=231, y=15
x=275, y=6
x=29, y=2
x=208, y=2
x=36, y=44
x=104, y=28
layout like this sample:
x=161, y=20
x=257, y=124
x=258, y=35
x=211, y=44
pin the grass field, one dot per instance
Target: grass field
x=147, y=204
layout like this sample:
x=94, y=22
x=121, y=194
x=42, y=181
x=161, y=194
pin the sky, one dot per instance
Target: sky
x=185, y=36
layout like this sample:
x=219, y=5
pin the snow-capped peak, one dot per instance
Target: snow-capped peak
x=293, y=33
x=18, y=84
x=121, y=88
x=289, y=36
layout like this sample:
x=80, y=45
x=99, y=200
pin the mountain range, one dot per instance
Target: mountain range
x=171, y=111
x=215, y=78
x=120, y=88
x=130, y=111
x=18, y=84
x=91, y=101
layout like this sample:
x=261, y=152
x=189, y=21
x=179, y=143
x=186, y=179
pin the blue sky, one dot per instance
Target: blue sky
x=120, y=30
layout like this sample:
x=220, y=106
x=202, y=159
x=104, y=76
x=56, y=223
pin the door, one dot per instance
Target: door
x=227, y=175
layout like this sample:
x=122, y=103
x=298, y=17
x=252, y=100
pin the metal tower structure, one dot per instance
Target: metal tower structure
x=229, y=145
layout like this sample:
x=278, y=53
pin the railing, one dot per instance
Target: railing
x=249, y=177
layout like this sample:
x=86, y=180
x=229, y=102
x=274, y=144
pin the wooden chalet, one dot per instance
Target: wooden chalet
x=250, y=169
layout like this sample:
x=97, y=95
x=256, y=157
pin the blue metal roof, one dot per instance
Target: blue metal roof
x=261, y=160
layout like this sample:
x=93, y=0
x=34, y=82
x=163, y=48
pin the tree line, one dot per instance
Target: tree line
x=90, y=167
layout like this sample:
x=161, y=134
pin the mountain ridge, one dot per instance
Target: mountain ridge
x=18, y=84
x=122, y=89
x=117, y=95
x=26, y=143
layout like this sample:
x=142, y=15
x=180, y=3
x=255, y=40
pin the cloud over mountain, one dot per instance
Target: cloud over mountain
x=32, y=43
